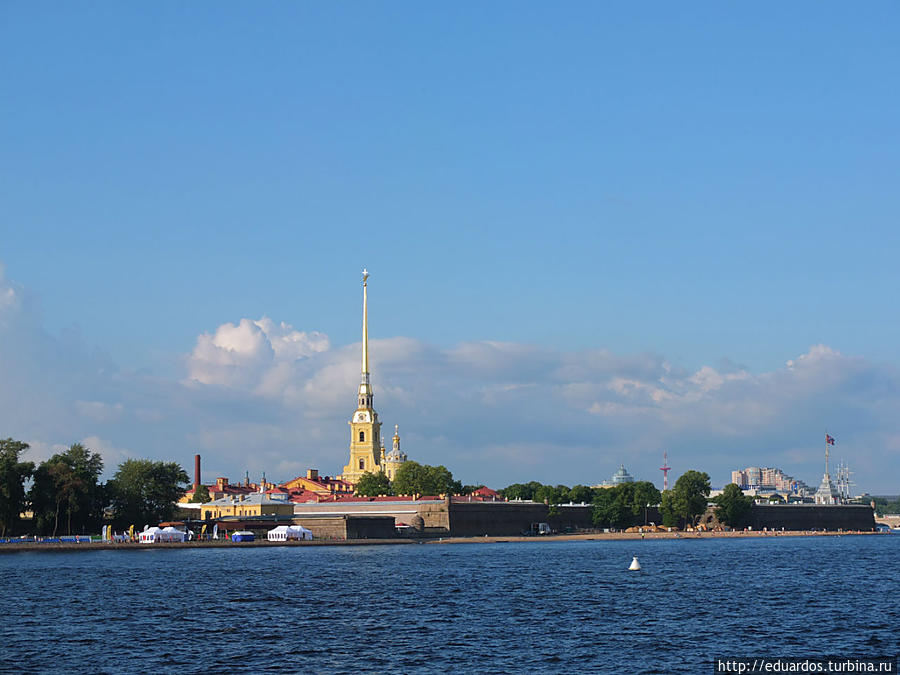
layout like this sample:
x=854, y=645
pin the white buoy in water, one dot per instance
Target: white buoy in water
x=635, y=566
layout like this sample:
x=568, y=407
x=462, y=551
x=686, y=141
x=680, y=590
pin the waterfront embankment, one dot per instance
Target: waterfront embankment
x=29, y=546
x=648, y=536
x=224, y=543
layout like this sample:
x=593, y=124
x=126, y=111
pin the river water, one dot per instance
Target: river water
x=548, y=607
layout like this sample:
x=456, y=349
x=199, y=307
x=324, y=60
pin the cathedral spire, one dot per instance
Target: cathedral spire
x=365, y=389
x=365, y=334
x=366, y=446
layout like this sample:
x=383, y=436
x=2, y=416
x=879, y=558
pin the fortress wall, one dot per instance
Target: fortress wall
x=572, y=517
x=812, y=517
x=370, y=527
x=349, y=526
x=325, y=528
x=474, y=519
x=436, y=516
x=402, y=511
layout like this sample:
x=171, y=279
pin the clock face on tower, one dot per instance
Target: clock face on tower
x=361, y=416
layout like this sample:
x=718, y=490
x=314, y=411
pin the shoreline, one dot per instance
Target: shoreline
x=31, y=547
x=647, y=536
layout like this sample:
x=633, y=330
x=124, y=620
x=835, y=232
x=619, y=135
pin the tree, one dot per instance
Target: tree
x=523, y=491
x=551, y=494
x=373, y=484
x=733, y=506
x=414, y=478
x=643, y=494
x=610, y=509
x=667, y=509
x=67, y=484
x=201, y=495
x=13, y=475
x=689, y=498
x=581, y=494
x=144, y=492
x=625, y=504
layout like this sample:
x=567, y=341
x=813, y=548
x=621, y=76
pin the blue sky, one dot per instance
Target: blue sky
x=697, y=186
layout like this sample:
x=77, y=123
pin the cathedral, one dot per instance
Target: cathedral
x=367, y=452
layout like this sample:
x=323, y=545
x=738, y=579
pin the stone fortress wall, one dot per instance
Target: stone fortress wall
x=812, y=517
x=447, y=517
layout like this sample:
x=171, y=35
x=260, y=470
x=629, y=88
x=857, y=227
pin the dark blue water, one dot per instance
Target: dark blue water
x=563, y=607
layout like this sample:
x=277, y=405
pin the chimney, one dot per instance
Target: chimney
x=312, y=474
x=196, y=471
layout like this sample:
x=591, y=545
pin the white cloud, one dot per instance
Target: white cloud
x=290, y=344
x=112, y=455
x=258, y=355
x=39, y=451
x=260, y=395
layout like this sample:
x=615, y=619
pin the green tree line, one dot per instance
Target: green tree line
x=884, y=505
x=733, y=506
x=627, y=504
x=412, y=478
x=66, y=495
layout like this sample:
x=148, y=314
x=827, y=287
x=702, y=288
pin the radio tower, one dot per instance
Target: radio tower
x=665, y=468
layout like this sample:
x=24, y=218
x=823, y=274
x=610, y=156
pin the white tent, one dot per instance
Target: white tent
x=173, y=534
x=149, y=536
x=289, y=532
x=153, y=535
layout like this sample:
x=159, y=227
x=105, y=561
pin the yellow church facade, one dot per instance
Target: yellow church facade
x=367, y=454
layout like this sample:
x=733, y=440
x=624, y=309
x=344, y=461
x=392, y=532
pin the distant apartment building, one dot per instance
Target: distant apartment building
x=768, y=479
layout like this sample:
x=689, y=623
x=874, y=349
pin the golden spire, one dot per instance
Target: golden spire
x=365, y=389
x=365, y=336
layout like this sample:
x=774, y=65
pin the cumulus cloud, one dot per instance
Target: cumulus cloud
x=112, y=454
x=260, y=395
x=39, y=451
x=10, y=296
x=252, y=354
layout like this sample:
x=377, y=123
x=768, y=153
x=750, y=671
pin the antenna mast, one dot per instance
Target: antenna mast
x=665, y=468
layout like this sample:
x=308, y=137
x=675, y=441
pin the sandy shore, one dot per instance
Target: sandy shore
x=593, y=536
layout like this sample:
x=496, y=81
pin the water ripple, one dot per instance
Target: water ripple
x=550, y=607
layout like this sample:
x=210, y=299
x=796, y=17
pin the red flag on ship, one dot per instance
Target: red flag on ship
x=829, y=439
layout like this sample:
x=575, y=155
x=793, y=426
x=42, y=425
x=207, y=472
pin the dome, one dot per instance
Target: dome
x=622, y=476
x=395, y=456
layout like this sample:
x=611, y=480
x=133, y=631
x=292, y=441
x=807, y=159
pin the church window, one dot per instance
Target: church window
x=362, y=436
x=362, y=462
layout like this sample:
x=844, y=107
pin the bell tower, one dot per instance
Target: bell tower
x=365, y=429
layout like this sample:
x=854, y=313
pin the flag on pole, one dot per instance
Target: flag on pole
x=829, y=439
